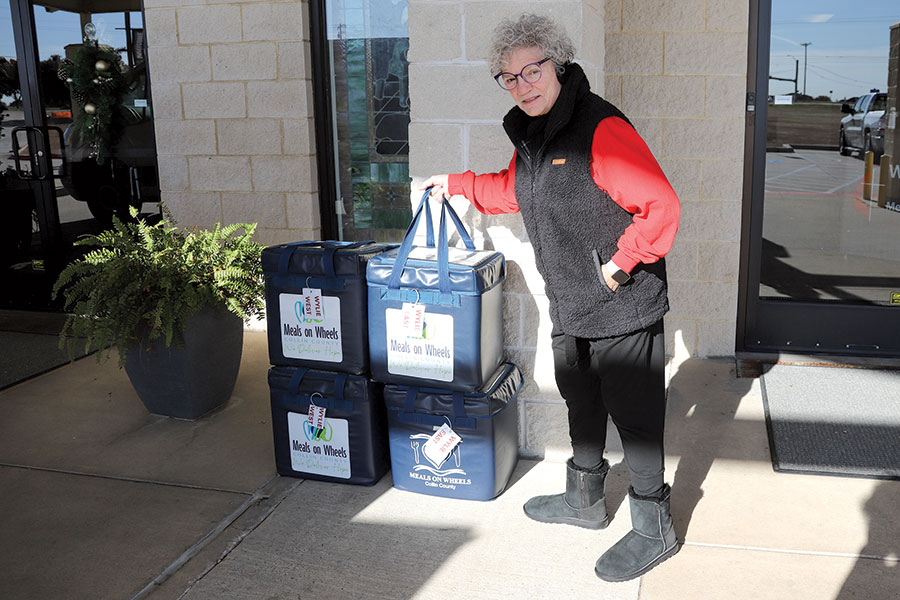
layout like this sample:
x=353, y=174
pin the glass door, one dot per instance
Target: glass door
x=78, y=143
x=362, y=116
x=824, y=270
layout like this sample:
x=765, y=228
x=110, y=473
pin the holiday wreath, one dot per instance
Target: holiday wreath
x=95, y=74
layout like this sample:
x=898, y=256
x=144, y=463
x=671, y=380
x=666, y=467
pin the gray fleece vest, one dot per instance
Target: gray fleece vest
x=567, y=217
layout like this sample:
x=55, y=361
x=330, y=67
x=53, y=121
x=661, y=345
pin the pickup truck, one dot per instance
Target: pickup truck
x=863, y=127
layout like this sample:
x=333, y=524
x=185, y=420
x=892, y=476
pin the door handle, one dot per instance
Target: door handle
x=39, y=155
x=17, y=152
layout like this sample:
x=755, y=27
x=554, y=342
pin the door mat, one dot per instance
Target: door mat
x=27, y=355
x=833, y=420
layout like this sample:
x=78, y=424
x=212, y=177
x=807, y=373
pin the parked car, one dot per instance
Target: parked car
x=863, y=127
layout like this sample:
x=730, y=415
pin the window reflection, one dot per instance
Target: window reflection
x=831, y=229
x=368, y=42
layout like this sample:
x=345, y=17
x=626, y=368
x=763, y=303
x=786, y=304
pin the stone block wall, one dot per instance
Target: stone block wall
x=232, y=100
x=678, y=69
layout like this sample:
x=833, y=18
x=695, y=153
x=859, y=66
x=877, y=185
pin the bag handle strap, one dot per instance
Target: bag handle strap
x=410, y=401
x=296, y=378
x=408, y=239
x=443, y=248
x=459, y=402
x=442, y=244
x=340, y=381
x=330, y=249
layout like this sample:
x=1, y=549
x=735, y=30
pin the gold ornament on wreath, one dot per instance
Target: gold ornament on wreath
x=96, y=76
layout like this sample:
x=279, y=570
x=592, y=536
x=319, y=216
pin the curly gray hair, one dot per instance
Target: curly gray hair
x=530, y=30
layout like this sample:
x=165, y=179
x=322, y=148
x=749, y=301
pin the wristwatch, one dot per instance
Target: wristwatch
x=621, y=277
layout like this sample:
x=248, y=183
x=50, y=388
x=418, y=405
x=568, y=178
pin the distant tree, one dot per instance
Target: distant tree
x=802, y=98
x=9, y=79
x=822, y=99
x=54, y=89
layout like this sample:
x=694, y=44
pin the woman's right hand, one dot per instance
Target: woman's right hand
x=439, y=185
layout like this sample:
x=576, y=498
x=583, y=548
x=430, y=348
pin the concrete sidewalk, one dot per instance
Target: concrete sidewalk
x=101, y=500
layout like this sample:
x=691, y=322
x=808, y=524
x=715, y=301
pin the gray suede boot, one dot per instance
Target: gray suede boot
x=583, y=504
x=650, y=541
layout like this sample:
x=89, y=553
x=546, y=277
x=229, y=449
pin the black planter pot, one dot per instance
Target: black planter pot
x=189, y=382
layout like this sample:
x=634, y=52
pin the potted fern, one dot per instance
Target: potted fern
x=172, y=302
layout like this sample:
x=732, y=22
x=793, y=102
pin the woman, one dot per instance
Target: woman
x=600, y=215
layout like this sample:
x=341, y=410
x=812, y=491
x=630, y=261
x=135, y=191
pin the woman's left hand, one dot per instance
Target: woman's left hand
x=439, y=185
x=611, y=283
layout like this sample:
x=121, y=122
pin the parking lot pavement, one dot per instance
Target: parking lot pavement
x=822, y=238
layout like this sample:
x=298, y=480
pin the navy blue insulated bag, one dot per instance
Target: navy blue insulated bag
x=487, y=421
x=461, y=343
x=351, y=448
x=332, y=335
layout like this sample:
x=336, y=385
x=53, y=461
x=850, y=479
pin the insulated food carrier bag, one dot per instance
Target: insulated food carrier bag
x=435, y=314
x=351, y=445
x=480, y=465
x=316, y=304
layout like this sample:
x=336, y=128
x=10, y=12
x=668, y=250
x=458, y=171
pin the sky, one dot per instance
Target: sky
x=848, y=51
x=57, y=29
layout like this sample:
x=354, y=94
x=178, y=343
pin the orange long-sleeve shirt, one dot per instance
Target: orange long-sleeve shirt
x=621, y=165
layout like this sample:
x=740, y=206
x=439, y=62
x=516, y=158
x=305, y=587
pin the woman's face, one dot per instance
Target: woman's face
x=535, y=99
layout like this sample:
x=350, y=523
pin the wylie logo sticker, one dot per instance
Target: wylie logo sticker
x=429, y=355
x=324, y=451
x=311, y=327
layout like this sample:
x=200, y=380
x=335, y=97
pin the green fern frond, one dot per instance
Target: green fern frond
x=141, y=281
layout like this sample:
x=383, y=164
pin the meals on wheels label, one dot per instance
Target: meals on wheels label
x=311, y=326
x=320, y=451
x=429, y=355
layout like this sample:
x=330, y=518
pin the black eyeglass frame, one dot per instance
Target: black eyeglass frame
x=521, y=75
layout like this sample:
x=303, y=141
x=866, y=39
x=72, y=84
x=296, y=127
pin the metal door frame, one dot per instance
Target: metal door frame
x=324, y=123
x=44, y=189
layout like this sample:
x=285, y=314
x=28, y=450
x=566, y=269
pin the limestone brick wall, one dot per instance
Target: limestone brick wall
x=232, y=101
x=677, y=68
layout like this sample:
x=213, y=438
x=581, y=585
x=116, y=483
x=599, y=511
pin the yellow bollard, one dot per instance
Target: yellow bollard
x=867, y=178
x=886, y=162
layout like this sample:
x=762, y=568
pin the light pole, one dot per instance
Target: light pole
x=805, y=45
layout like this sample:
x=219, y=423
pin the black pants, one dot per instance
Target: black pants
x=622, y=378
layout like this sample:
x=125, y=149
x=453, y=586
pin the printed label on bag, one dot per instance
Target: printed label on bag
x=312, y=303
x=413, y=319
x=311, y=326
x=316, y=416
x=322, y=451
x=439, y=447
x=429, y=355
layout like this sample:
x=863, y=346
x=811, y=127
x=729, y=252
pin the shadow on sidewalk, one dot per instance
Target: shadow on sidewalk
x=704, y=396
x=873, y=577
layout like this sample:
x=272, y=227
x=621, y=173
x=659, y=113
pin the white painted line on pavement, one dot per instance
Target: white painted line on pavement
x=802, y=552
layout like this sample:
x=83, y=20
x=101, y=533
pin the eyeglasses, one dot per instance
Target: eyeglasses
x=530, y=73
